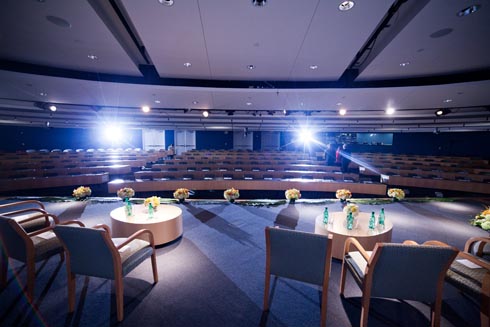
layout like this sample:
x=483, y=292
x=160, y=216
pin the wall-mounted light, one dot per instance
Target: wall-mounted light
x=442, y=112
x=145, y=109
x=342, y=112
x=205, y=114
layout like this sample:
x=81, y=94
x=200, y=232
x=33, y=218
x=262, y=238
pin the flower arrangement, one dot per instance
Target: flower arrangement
x=292, y=194
x=125, y=193
x=231, y=194
x=154, y=200
x=482, y=220
x=181, y=194
x=351, y=207
x=82, y=192
x=396, y=193
x=343, y=194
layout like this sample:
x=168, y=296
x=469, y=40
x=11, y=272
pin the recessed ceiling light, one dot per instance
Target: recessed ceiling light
x=390, y=111
x=145, y=109
x=92, y=57
x=205, y=113
x=442, y=112
x=187, y=64
x=405, y=64
x=166, y=2
x=43, y=94
x=250, y=67
x=259, y=3
x=339, y=103
x=52, y=108
x=342, y=112
x=58, y=21
x=346, y=5
x=195, y=102
x=313, y=67
x=157, y=101
x=249, y=103
x=448, y=100
x=468, y=11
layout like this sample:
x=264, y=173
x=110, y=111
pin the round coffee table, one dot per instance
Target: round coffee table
x=166, y=224
x=367, y=237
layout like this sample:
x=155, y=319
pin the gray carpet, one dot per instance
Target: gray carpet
x=214, y=274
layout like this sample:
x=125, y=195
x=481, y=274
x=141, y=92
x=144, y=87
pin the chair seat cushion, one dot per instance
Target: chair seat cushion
x=465, y=278
x=133, y=253
x=45, y=245
x=486, y=250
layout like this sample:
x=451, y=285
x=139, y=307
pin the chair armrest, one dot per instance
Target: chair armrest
x=475, y=260
x=45, y=215
x=472, y=240
x=410, y=242
x=104, y=227
x=21, y=211
x=19, y=203
x=72, y=222
x=352, y=241
x=135, y=235
x=436, y=243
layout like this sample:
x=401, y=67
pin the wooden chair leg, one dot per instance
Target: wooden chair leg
x=31, y=276
x=436, y=313
x=154, y=267
x=266, y=292
x=366, y=301
x=323, y=313
x=4, y=262
x=119, y=298
x=71, y=290
x=485, y=301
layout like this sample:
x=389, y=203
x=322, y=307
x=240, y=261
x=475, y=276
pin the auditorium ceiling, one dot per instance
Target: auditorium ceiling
x=273, y=65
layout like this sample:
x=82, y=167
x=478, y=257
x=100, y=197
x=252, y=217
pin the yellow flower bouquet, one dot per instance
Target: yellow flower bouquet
x=231, y=194
x=396, y=193
x=351, y=207
x=82, y=192
x=154, y=201
x=482, y=220
x=292, y=194
x=181, y=194
x=343, y=194
x=125, y=193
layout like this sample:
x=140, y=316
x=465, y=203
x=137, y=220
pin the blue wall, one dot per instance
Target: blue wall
x=210, y=140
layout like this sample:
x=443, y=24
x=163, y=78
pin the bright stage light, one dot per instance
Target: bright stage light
x=305, y=136
x=113, y=133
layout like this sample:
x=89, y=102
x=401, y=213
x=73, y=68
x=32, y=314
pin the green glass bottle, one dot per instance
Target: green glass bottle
x=372, y=221
x=128, y=207
x=350, y=221
x=381, y=218
x=150, y=211
x=325, y=216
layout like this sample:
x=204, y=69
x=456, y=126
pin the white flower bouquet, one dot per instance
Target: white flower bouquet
x=343, y=194
x=396, y=193
x=292, y=194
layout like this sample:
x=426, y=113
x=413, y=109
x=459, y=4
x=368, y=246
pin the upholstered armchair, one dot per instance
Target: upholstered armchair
x=27, y=247
x=92, y=252
x=301, y=256
x=401, y=271
x=470, y=273
x=21, y=210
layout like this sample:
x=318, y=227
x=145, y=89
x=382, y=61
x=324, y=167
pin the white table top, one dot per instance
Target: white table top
x=140, y=215
x=360, y=229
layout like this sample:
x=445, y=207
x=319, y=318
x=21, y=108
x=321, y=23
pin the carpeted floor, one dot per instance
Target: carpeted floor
x=214, y=274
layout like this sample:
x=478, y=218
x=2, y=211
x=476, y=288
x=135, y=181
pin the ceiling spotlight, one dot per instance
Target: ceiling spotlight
x=468, y=11
x=346, y=5
x=52, y=107
x=145, y=109
x=43, y=94
x=92, y=57
x=187, y=64
x=205, y=114
x=442, y=112
x=248, y=103
x=259, y=3
x=313, y=67
x=342, y=112
x=448, y=100
x=157, y=101
x=195, y=102
x=250, y=67
x=404, y=64
x=166, y=2
x=390, y=111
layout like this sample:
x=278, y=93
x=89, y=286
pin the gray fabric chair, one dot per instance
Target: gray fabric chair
x=29, y=248
x=401, y=271
x=22, y=210
x=474, y=282
x=92, y=252
x=300, y=256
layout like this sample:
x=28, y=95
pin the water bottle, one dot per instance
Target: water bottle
x=129, y=207
x=372, y=221
x=325, y=216
x=150, y=211
x=350, y=221
x=381, y=218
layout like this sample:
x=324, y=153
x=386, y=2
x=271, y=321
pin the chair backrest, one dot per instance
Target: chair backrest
x=411, y=272
x=298, y=255
x=90, y=250
x=13, y=238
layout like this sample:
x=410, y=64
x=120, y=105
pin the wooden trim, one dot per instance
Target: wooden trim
x=265, y=306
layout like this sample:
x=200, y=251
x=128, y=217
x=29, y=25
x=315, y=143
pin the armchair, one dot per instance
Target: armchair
x=22, y=210
x=474, y=278
x=27, y=247
x=300, y=256
x=92, y=252
x=401, y=271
